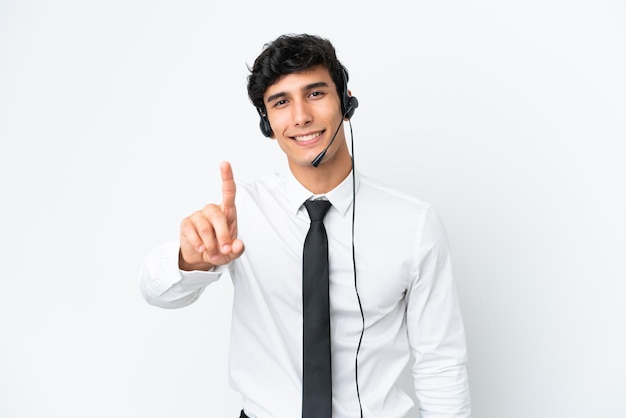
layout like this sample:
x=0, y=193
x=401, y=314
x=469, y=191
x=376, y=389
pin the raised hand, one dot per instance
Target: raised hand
x=208, y=237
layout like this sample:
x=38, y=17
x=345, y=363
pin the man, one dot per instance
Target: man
x=391, y=291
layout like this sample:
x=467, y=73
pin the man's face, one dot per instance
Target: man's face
x=304, y=111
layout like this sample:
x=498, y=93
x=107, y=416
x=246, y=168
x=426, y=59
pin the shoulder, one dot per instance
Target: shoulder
x=399, y=209
x=376, y=192
x=257, y=187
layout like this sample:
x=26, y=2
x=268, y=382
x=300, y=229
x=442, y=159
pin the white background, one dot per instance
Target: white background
x=509, y=117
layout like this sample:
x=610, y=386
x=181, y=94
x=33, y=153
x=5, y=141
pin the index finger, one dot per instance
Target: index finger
x=228, y=185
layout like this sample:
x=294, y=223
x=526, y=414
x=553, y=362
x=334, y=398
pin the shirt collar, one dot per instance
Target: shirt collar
x=340, y=197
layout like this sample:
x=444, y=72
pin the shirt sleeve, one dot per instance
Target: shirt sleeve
x=435, y=327
x=164, y=285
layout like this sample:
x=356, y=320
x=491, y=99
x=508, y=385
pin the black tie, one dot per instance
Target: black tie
x=316, y=376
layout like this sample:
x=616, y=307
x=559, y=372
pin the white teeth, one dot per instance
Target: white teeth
x=306, y=137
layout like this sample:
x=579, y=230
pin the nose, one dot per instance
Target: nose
x=301, y=113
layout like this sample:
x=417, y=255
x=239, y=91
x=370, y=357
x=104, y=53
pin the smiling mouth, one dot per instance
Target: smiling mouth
x=307, y=137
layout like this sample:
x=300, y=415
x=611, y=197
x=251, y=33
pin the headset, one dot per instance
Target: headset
x=348, y=106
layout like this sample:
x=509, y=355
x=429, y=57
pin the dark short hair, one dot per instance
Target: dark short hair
x=293, y=53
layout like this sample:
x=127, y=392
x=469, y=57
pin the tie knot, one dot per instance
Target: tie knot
x=317, y=209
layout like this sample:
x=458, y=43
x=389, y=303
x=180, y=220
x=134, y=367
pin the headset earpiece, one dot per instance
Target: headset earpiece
x=264, y=123
x=348, y=103
x=353, y=103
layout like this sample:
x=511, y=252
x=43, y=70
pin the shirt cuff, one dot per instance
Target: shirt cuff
x=161, y=277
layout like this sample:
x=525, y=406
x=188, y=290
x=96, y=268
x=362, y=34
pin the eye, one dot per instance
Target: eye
x=316, y=94
x=279, y=103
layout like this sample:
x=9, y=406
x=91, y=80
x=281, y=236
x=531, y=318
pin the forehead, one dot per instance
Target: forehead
x=296, y=82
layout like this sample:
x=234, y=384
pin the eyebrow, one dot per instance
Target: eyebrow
x=305, y=88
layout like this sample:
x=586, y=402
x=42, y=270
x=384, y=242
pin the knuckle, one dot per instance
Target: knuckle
x=204, y=228
x=210, y=208
x=186, y=226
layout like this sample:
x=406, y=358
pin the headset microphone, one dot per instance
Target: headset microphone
x=353, y=103
x=317, y=160
x=348, y=105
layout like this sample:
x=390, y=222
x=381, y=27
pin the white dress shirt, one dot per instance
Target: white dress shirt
x=404, y=280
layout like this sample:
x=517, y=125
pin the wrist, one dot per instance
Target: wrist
x=185, y=266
